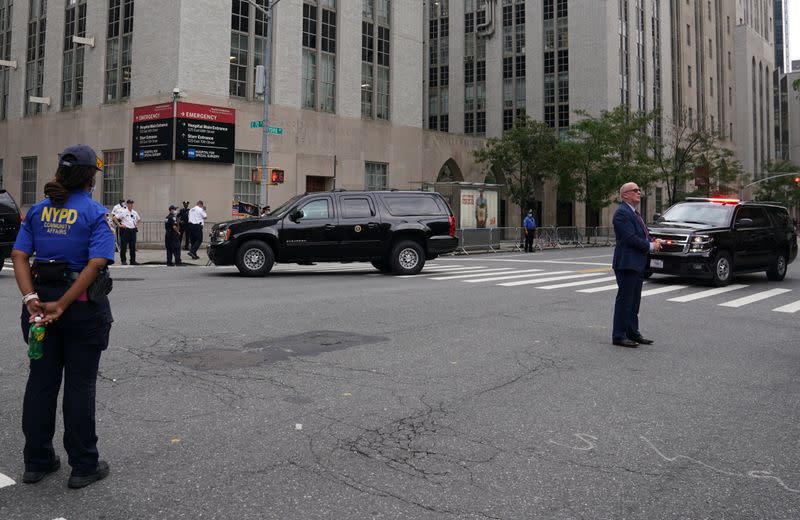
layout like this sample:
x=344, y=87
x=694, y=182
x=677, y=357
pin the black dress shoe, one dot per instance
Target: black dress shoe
x=625, y=343
x=99, y=474
x=643, y=341
x=32, y=477
x=134, y=263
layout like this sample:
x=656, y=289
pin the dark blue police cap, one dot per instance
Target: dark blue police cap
x=79, y=155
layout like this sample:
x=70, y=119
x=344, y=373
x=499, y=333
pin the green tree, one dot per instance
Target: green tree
x=782, y=189
x=602, y=153
x=524, y=155
x=716, y=170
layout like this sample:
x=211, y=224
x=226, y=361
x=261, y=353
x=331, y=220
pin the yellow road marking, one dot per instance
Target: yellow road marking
x=595, y=270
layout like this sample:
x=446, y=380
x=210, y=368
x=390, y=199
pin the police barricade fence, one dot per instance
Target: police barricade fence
x=151, y=233
x=603, y=236
x=489, y=239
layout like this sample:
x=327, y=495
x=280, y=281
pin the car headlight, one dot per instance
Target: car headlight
x=220, y=235
x=700, y=243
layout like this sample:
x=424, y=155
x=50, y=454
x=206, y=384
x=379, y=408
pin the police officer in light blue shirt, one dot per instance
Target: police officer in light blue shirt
x=72, y=242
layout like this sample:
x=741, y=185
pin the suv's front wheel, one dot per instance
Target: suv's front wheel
x=722, y=270
x=407, y=258
x=777, y=272
x=254, y=258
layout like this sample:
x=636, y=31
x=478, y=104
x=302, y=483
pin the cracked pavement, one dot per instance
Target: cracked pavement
x=462, y=402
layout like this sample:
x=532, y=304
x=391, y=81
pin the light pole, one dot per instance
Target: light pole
x=267, y=74
x=771, y=177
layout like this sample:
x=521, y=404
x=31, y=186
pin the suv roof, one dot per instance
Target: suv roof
x=724, y=201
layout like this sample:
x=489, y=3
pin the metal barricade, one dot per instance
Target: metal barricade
x=151, y=233
x=568, y=236
x=604, y=236
x=546, y=238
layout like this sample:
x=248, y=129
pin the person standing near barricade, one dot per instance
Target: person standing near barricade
x=116, y=214
x=128, y=227
x=197, y=215
x=183, y=224
x=66, y=289
x=172, y=237
x=529, y=227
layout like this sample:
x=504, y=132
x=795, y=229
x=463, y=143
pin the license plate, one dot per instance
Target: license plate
x=656, y=264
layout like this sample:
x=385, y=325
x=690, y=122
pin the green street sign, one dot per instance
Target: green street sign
x=275, y=130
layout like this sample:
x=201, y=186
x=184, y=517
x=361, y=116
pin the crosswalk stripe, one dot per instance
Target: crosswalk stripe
x=706, y=294
x=598, y=289
x=6, y=481
x=443, y=270
x=757, y=297
x=550, y=279
x=575, y=284
x=504, y=271
x=661, y=290
x=469, y=275
x=530, y=274
x=790, y=308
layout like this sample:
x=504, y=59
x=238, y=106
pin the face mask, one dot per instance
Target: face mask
x=92, y=190
x=174, y=212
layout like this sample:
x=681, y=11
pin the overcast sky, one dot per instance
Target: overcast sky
x=794, y=30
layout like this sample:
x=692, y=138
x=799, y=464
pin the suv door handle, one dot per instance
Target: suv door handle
x=372, y=225
x=328, y=227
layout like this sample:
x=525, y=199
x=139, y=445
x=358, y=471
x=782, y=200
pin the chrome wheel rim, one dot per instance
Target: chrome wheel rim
x=254, y=259
x=408, y=258
x=723, y=269
x=781, y=265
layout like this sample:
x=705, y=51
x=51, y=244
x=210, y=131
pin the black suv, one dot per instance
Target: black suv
x=715, y=238
x=9, y=224
x=395, y=230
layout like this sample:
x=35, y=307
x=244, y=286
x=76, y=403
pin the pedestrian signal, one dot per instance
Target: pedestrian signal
x=276, y=176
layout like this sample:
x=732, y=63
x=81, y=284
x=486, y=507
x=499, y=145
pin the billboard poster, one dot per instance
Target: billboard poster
x=152, y=133
x=205, y=133
x=478, y=208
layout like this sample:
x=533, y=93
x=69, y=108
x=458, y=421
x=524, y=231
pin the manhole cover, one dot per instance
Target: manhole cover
x=272, y=350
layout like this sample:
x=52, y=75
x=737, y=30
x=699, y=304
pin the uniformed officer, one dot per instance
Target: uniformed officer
x=172, y=237
x=73, y=243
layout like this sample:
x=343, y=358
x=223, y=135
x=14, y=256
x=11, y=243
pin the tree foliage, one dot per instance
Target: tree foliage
x=601, y=153
x=524, y=156
x=783, y=189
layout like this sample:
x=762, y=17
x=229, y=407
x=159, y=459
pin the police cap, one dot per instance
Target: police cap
x=79, y=155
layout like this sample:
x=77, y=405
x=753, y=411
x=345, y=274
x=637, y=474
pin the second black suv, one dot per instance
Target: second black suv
x=395, y=230
x=9, y=224
x=715, y=238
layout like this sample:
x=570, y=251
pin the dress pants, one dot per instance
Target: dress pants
x=172, y=243
x=127, y=238
x=529, y=241
x=626, y=306
x=196, y=238
x=72, y=346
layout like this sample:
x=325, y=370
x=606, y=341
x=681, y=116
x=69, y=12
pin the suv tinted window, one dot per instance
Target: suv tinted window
x=757, y=215
x=781, y=217
x=717, y=215
x=410, y=205
x=356, y=207
x=317, y=209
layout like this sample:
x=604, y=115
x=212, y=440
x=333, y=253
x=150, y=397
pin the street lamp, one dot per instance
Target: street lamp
x=267, y=74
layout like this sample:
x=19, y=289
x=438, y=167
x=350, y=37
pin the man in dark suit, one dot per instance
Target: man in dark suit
x=630, y=260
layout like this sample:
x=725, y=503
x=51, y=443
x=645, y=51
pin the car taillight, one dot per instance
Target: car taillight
x=452, y=226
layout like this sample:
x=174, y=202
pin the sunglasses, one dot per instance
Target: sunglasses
x=637, y=190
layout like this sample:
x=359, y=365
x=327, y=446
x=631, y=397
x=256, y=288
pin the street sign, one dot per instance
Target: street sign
x=205, y=133
x=275, y=130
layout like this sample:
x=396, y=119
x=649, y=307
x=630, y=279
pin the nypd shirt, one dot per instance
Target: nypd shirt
x=73, y=233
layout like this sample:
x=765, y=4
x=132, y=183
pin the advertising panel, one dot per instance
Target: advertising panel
x=205, y=133
x=478, y=208
x=152, y=133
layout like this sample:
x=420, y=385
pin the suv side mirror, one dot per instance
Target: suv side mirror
x=744, y=222
x=297, y=215
x=656, y=217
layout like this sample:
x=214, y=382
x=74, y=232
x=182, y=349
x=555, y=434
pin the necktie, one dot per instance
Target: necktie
x=641, y=221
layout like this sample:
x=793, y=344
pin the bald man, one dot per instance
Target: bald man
x=630, y=260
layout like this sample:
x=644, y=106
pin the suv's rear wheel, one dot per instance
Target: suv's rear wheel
x=777, y=272
x=254, y=258
x=722, y=270
x=407, y=258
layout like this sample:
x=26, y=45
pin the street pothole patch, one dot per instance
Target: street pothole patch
x=307, y=344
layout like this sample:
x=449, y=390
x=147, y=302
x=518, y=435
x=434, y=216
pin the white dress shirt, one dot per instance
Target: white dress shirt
x=197, y=215
x=128, y=218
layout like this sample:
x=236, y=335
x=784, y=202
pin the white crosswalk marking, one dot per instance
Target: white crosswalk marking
x=706, y=294
x=661, y=290
x=470, y=275
x=530, y=274
x=575, y=284
x=505, y=271
x=443, y=270
x=757, y=297
x=598, y=289
x=6, y=481
x=789, y=308
x=551, y=279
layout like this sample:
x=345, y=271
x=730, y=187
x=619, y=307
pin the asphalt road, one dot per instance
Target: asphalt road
x=332, y=391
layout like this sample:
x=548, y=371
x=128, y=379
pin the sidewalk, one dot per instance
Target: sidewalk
x=155, y=256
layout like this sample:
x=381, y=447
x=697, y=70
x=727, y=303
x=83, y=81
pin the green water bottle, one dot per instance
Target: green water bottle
x=36, y=339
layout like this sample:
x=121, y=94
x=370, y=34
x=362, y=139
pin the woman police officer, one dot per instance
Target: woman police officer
x=73, y=244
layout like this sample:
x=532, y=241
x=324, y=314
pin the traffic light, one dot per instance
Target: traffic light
x=276, y=176
x=797, y=180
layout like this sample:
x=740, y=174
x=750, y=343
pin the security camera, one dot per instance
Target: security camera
x=176, y=91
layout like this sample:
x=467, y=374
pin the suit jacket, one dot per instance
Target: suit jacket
x=632, y=241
